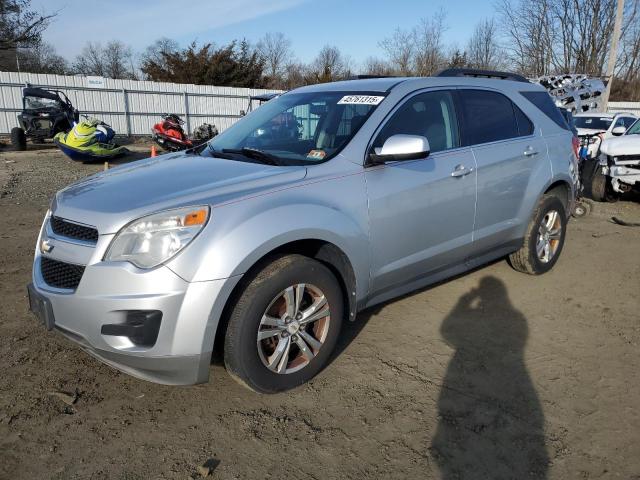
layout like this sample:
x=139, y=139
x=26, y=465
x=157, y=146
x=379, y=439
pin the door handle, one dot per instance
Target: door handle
x=461, y=171
x=530, y=152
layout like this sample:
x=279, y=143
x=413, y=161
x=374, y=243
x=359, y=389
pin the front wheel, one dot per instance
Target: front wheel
x=285, y=324
x=544, y=239
x=18, y=139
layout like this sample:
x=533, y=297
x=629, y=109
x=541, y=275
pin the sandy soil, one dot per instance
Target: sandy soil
x=491, y=375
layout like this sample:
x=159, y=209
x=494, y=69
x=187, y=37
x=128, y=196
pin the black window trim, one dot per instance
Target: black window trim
x=403, y=101
x=567, y=127
x=462, y=120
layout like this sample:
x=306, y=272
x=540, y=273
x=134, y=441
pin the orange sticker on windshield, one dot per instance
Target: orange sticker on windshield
x=317, y=154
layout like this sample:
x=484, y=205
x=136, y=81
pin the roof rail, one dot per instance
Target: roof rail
x=367, y=77
x=471, y=72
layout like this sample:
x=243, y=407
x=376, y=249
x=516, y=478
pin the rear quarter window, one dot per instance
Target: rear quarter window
x=544, y=103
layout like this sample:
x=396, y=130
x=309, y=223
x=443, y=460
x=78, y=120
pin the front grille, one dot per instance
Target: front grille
x=62, y=227
x=628, y=158
x=60, y=274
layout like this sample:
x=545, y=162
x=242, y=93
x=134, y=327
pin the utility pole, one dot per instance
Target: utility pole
x=613, y=53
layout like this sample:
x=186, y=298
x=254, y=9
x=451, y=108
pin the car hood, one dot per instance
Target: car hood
x=111, y=199
x=588, y=131
x=624, y=145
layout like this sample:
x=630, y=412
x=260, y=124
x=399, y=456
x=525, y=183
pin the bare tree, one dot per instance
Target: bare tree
x=329, y=65
x=560, y=36
x=275, y=50
x=529, y=28
x=295, y=75
x=19, y=25
x=377, y=66
x=483, y=49
x=428, y=44
x=42, y=58
x=158, y=52
x=399, y=48
x=115, y=60
x=457, y=58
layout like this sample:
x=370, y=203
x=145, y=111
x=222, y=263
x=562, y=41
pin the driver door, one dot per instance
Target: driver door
x=421, y=211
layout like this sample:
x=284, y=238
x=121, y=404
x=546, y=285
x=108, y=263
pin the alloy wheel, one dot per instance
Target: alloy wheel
x=549, y=235
x=293, y=328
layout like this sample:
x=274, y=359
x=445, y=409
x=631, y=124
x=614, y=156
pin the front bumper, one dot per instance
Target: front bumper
x=107, y=294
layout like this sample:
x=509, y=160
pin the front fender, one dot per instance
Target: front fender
x=240, y=234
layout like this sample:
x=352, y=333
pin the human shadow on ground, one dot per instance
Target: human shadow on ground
x=490, y=421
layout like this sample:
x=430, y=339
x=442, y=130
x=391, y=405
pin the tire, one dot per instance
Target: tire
x=581, y=209
x=528, y=259
x=598, y=186
x=18, y=139
x=257, y=363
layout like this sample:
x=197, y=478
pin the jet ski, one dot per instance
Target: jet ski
x=91, y=140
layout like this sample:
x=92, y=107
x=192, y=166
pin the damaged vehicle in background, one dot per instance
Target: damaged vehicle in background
x=45, y=113
x=324, y=201
x=619, y=164
x=595, y=127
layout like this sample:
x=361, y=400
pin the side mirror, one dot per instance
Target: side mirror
x=617, y=131
x=400, y=147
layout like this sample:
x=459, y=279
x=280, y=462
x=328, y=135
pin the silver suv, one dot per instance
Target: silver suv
x=322, y=202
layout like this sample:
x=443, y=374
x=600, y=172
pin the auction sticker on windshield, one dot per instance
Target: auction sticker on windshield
x=360, y=100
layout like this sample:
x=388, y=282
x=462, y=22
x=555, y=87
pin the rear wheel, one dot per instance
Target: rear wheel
x=544, y=239
x=18, y=139
x=285, y=325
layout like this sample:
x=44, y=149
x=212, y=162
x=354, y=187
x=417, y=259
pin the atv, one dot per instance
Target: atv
x=45, y=113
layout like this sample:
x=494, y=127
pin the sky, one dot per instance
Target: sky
x=354, y=26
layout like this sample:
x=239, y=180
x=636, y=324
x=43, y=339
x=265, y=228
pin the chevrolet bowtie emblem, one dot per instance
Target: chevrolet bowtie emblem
x=45, y=246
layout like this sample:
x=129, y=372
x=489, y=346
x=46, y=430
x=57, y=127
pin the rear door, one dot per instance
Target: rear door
x=508, y=151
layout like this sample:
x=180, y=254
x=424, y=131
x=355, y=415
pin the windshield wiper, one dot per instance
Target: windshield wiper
x=255, y=154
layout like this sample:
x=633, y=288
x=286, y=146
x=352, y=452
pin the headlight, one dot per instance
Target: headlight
x=152, y=240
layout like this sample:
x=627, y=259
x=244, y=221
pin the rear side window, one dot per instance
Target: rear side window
x=490, y=116
x=543, y=101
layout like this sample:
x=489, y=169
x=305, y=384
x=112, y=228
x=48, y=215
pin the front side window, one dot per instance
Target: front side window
x=430, y=115
x=298, y=128
x=624, y=122
x=489, y=117
x=634, y=129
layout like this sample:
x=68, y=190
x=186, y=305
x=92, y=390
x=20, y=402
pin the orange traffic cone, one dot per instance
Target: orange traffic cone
x=154, y=153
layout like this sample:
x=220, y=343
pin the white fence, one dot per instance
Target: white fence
x=131, y=107
x=631, y=107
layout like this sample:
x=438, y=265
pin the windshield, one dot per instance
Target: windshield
x=594, y=123
x=38, y=103
x=634, y=129
x=298, y=128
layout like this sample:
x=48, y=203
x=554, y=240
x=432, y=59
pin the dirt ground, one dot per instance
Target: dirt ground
x=491, y=375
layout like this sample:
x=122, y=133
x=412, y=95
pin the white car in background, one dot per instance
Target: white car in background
x=619, y=170
x=603, y=126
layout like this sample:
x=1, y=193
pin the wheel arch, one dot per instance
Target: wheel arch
x=324, y=251
x=561, y=189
